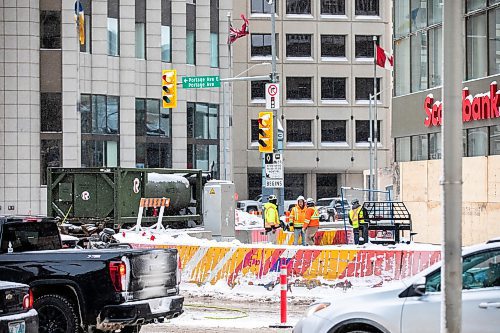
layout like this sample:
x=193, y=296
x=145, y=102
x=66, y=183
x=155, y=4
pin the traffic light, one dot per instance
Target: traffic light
x=169, y=88
x=266, y=131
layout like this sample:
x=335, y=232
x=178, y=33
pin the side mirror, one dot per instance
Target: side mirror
x=419, y=286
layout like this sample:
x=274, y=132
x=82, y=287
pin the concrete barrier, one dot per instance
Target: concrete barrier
x=323, y=237
x=313, y=265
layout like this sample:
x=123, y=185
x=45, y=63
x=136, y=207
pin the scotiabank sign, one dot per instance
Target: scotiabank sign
x=477, y=107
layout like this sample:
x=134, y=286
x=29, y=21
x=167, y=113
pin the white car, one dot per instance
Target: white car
x=413, y=305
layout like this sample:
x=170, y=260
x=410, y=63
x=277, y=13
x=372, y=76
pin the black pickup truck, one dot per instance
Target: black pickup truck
x=78, y=290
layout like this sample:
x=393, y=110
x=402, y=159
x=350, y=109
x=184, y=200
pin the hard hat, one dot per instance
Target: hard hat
x=310, y=202
x=272, y=197
x=301, y=198
x=355, y=202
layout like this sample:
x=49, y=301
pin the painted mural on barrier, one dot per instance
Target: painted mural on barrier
x=312, y=266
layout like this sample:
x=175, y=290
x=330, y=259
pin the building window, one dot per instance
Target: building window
x=299, y=88
x=50, y=29
x=100, y=114
x=203, y=137
x=87, y=10
x=419, y=148
x=153, y=140
x=261, y=45
x=298, y=131
x=401, y=18
x=364, y=87
x=326, y=185
x=295, y=184
x=298, y=45
x=258, y=90
x=475, y=4
x=262, y=6
x=298, y=6
x=50, y=156
x=402, y=66
x=435, y=57
x=254, y=130
x=495, y=140
x=477, y=47
x=418, y=15
x=113, y=28
x=333, y=88
x=214, y=33
x=419, y=61
x=363, y=130
x=254, y=185
x=166, y=32
x=367, y=7
x=364, y=46
x=50, y=112
x=140, y=29
x=403, y=149
x=435, y=149
x=332, y=46
x=494, y=41
x=333, y=131
x=190, y=34
x=477, y=141
x=332, y=7
x=435, y=11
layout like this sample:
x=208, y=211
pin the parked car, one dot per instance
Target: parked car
x=249, y=206
x=331, y=209
x=84, y=290
x=413, y=305
x=16, y=309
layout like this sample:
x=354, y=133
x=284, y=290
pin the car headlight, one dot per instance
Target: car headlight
x=316, y=307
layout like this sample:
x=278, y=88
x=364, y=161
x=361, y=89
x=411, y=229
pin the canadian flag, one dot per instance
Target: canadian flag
x=384, y=59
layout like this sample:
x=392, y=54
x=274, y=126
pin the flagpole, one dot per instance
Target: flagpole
x=375, y=126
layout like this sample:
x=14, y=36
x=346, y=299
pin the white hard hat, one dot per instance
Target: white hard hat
x=301, y=198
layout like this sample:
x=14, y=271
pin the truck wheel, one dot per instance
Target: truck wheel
x=56, y=314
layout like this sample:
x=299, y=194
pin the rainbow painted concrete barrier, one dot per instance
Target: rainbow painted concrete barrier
x=323, y=237
x=259, y=264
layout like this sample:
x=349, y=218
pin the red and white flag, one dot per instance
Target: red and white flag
x=384, y=60
x=234, y=33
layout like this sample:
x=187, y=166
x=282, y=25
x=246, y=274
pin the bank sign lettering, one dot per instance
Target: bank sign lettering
x=477, y=107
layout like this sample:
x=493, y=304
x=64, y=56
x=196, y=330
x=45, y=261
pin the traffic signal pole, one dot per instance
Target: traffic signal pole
x=274, y=79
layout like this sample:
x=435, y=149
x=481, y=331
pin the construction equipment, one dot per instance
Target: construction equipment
x=110, y=197
x=388, y=220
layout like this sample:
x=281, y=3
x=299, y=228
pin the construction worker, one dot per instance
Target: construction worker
x=297, y=219
x=271, y=216
x=357, y=218
x=311, y=224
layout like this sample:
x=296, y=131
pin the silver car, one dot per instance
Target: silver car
x=413, y=305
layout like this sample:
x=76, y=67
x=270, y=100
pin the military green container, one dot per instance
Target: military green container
x=112, y=195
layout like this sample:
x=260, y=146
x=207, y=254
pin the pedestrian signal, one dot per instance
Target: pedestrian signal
x=169, y=88
x=265, y=131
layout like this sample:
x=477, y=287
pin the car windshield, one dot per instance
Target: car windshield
x=323, y=202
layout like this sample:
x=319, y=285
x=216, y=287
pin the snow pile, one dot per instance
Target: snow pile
x=246, y=221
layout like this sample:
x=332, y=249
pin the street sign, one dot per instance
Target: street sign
x=272, y=96
x=189, y=82
x=274, y=170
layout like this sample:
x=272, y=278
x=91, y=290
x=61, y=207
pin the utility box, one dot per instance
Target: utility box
x=219, y=205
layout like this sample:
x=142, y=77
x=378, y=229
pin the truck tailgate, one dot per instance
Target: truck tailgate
x=153, y=274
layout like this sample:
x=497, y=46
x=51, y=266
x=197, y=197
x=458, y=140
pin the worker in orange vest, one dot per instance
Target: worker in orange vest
x=311, y=224
x=297, y=219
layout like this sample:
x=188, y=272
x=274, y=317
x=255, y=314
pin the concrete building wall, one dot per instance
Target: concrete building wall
x=346, y=160
x=421, y=193
x=125, y=76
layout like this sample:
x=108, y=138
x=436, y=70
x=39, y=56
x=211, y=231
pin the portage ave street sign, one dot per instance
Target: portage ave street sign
x=200, y=82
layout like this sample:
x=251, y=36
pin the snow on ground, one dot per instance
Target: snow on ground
x=151, y=236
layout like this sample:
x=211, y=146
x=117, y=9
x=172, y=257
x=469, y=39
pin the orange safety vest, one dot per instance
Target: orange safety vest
x=312, y=217
x=298, y=216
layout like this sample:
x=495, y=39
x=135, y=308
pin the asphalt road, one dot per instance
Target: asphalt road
x=260, y=315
